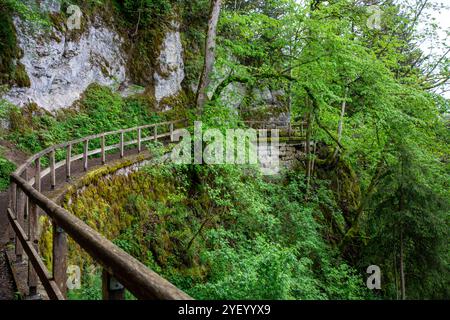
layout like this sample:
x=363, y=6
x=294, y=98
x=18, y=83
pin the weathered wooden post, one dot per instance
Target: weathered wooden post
x=111, y=288
x=32, y=231
x=12, y=234
x=13, y=197
x=103, y=148
x=27, y=200
x=155, y=132
x=52, y=169
x=21, y=198
x=103, y=142
x=85, y=155
x=68, y=161
x=139, y=140
x=15, y=205
x=122, y=138
x=171, y=132
x=60, y=258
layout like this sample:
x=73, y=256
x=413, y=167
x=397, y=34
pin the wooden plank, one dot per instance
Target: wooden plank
x=50, y=286
x=17, y=270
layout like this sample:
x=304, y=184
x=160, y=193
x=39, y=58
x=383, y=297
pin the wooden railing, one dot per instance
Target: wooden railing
x=291, y=128
x=120, y=270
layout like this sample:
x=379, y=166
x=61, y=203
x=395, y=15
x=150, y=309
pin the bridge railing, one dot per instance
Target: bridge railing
x=27, y=202
x=291, y=128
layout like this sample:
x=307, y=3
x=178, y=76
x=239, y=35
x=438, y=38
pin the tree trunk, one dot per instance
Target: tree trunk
x=341, y=122
x=402, y=267
x=210, y=47
x=402, y=254
x=308, y=149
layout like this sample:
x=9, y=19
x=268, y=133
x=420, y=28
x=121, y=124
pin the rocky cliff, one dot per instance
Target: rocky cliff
x=61, y=63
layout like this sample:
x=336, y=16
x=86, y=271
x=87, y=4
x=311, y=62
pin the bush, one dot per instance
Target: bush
x=6, y=168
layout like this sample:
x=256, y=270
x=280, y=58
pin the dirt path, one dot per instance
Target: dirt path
x=10, y=152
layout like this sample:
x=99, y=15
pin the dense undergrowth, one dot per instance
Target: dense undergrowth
x=233, y=236
x=99, y=110
x=6, y=168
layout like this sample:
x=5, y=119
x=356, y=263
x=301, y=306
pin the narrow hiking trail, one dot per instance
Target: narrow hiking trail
x=7, y=288
x=7, y=285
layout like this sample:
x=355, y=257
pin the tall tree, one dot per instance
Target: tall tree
x=210, y=49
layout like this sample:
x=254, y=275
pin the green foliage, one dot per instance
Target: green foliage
x=100, y=110
x=224, y=232
x=146, y=10
x=231, y=237
x=91, y=287
x=6, y=168
x=411, y=214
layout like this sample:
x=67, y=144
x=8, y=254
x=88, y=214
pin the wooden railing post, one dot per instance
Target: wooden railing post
x=52, y=169
x=37, y=175
x=171, y=132
x=85, y=155
x=21, y=206
x=60, y=258
x=139, y=140
x=111, y=288
x=13, y=197
x=155, y=133
x=103, y=142
x=13, y=205
x=122, y=138
x=68, y=161
x=12, y=234
x=32, y=231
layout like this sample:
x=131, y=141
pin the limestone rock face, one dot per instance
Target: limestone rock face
x=171, y=74
x=52, y=6
x=61, y=67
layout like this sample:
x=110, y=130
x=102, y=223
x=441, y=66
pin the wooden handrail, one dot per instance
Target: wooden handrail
x=91, y=137
x=117, y=264
x=291, y=127
x=135, y=276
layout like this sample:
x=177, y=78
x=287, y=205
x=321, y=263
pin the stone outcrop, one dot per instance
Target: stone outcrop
x=170, y=74
x=60, y=68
